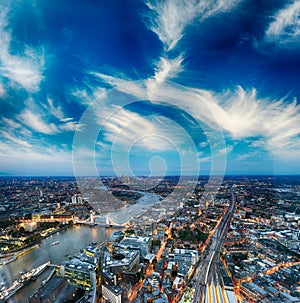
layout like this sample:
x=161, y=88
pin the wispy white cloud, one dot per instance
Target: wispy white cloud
x=122, y=129
x=204, y=159
x=63, y=123
x=203, y=144
x=15, y=139
x=16, y=129
x=35, y=122
x=245, y=115
x=66, y=119
x=71, y=126
x=2, y=90
x=24, y=69
x=37, y=117
x=285, y=28
x=56, y=111
x=168, y=68
x=34, y=160
x=11, y=123
x=246, y=156
x=241, y=113
x=20, y=131
x=128, y=129
x=86, y=97
x=21, y=152
x=170, y=18
x=228, y=149
x=112, y=80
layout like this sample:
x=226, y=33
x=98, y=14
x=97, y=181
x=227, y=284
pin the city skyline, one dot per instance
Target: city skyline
x=149, y=88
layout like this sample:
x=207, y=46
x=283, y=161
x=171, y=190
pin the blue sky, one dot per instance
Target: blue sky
x=154, y=87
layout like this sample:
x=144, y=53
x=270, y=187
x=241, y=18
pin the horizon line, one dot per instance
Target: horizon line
x=145, y=176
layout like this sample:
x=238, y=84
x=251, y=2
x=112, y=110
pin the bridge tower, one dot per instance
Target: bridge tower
x=92, y=218
x=107, y=221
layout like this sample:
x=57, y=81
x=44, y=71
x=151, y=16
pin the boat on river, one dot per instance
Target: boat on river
x=25, y=278
x=8, y=260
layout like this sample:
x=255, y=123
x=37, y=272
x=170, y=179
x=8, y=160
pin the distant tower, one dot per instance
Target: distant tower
x=41, y=193
x=74, y=199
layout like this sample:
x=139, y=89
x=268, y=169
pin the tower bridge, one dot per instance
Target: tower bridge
x=107, y=221
x=92, y=220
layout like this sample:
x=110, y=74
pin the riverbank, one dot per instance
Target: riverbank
x=70, y=243
x=24, y=279
x=28, y=247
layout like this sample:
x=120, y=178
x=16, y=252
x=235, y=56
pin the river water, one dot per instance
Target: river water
x=123, y=215
x=70, y=243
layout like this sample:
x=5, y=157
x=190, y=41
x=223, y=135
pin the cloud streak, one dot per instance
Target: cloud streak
x=170, y=18
x=39, y=160
x=285, y=28
x=36, y=123
x=26, y=69
x=15, y=139
x=244, y=115
x=240, y=113
x=56, y=111
x=168, y=68
x=2, y=90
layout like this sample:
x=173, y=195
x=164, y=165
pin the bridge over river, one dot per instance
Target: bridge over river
x=119, y=218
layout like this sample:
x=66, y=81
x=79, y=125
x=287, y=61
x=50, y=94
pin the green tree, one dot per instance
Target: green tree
x=156, y=242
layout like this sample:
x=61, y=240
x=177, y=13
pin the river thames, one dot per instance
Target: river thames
x=70, y=242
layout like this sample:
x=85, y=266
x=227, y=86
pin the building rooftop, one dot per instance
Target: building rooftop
x=129, y=256
x=80, y=265
x=113, y=288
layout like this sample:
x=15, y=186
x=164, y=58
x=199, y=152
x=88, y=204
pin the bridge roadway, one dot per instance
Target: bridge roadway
x=107, y=221
x=206, y=281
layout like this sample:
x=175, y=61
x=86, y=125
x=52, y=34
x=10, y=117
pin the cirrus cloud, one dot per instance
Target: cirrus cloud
x=36, y=123
x=23, y=69
x=285, y=28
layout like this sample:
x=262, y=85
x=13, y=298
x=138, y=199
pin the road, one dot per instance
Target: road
x=205, y=281
x=149, y=271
